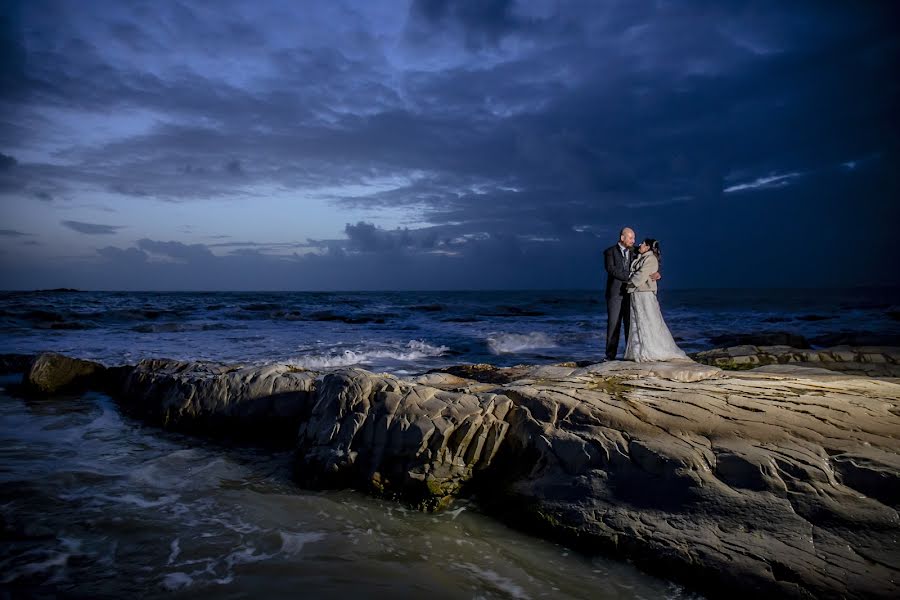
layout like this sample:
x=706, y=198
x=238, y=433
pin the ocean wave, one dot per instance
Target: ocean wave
x=505, y=310
x=183, y=327
x=414, y=350
x=509, y=343
x=42, y=563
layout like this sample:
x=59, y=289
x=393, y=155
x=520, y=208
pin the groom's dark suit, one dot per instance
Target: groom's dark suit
x=618, y=302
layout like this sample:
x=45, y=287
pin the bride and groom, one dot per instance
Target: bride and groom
x=631, y=301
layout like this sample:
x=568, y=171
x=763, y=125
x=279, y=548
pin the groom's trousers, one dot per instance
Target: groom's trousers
x=618, y=313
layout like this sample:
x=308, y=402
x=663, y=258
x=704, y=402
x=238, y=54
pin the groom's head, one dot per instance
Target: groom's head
x=626, y=237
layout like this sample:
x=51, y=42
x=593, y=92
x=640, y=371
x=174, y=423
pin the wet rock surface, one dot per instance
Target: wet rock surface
x=51, y=373
x=263, y=403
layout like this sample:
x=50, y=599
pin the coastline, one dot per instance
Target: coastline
x=731, y=482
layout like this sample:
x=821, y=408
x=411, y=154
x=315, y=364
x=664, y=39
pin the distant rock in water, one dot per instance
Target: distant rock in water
x=354, y=319
x=260, y=307
x=857, y=338
x=428, y=307
x=72, y=325
x=513, y=311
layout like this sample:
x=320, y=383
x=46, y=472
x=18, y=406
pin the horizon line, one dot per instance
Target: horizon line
x=436, y=290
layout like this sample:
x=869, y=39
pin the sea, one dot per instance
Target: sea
x=94, y=504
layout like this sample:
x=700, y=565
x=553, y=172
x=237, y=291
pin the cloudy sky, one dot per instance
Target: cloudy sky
x=445, y=144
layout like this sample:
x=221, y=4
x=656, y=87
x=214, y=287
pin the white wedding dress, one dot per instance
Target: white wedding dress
x=649, y=339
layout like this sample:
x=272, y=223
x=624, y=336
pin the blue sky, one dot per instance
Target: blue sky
x=444, y=144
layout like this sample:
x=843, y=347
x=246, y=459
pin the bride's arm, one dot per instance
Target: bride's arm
x=642, y=275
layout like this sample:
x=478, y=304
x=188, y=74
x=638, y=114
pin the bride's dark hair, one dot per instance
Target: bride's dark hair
x=654, y=247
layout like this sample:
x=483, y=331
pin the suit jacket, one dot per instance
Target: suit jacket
x=618, y=270
x=642, y=268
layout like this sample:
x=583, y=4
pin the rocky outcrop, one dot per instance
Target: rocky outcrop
x=400, y=438
x=781, y=480
x=262, y=403
x=873, y=361
x=55, y=373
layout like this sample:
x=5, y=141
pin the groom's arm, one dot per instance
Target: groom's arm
x=620, y=273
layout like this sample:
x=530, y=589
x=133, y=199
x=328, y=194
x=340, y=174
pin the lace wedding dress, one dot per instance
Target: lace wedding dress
x=649, y=339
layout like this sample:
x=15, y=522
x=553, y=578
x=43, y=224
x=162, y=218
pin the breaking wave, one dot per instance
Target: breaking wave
x=509, y=343
x=414, y=350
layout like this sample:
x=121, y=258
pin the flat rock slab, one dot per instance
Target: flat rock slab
x=779, y=480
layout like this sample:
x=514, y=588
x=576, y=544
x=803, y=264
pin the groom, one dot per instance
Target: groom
x=618, y=303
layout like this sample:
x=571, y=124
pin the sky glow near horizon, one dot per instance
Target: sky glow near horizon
x=440, y=144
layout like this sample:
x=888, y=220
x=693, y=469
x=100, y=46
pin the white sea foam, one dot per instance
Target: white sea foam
x=135, y=500
x=412, y=351
x=176, y=550
x=292, y=543
x=492, y=578
x=508, y=343
x=54, y=561
x=177, y=581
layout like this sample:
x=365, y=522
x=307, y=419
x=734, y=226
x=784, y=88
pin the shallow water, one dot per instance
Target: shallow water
x=94, y=504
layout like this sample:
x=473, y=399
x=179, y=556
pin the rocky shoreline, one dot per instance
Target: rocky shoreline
x=782, y=479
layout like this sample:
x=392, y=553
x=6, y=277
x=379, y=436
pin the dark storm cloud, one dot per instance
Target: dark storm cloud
x=488, y=261
x=91, y=228
x=481, y=21
x=7, y=162
x=188, y=252
x=368, y=238
x=234, y=167
x=123, y=257
x=11, y=233
x=525, y=132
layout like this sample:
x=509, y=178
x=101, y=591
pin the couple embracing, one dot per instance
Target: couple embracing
x=631, y=301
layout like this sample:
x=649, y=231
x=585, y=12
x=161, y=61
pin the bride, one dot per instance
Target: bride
x=649, y=339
